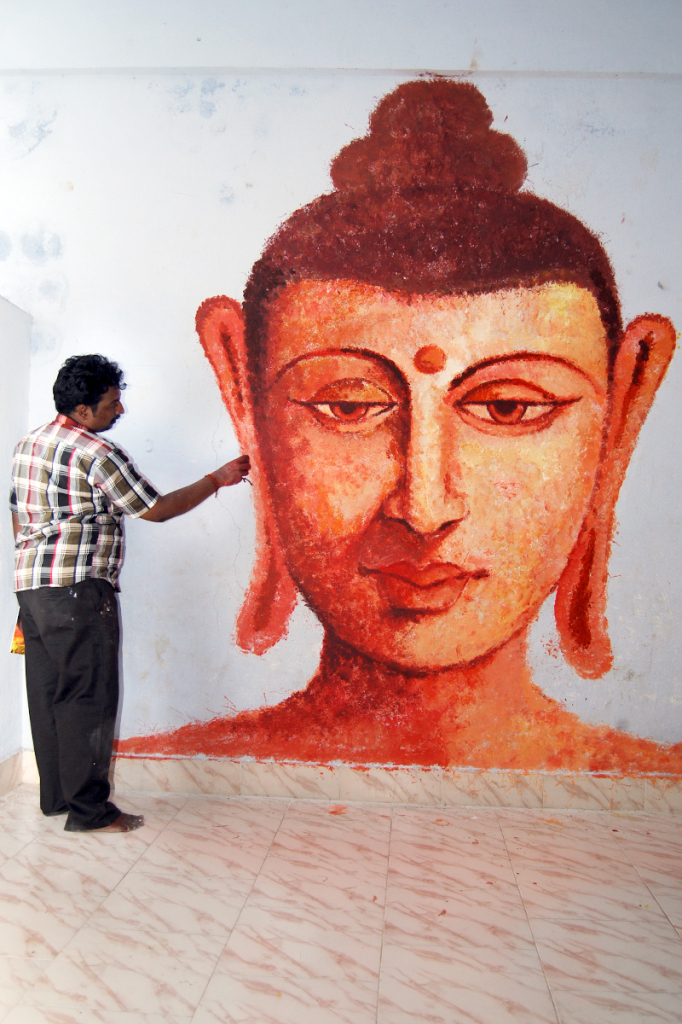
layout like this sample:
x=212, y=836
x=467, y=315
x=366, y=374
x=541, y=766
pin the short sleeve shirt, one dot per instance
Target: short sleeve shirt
x=70, y=491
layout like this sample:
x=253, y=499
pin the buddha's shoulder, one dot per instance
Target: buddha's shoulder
x=580, y=746
x=285, y=730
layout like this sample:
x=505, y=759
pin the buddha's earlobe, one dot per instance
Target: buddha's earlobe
x=271, y=596
x=580, y=609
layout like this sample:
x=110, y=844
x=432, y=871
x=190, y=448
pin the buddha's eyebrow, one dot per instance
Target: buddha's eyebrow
x=363, y=353
x=516, y=357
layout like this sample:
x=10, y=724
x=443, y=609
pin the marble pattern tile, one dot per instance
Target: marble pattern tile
x=15, y=838
x=453, y=984
x=343, y=841
x=586, y=792
x=38, y=923
x=154, y=899
x=290, y=942
x=370, y=821
x=295, y=781
x=90, y=865
x=483, y=916
x=270, y=910
x=358, y=889
x=237, y=817
x=663, y=795
x=10, y=773
x=37, y=1015
x=461, y=787
x=568, y=853
x=636, y=955
x=547, y=898
x=178, y=775
x=670, y=902
x=491, y=789
x=616, y=1008
x=458, y=856
x=627, y=794
x=29, y=768
x=18, y=975
x=232, y=1000
x=163, y=973
x=391, y=785
x=657, y=858
x=22, y=805
x=435, y=822
x=557, y=820
x=214, y=851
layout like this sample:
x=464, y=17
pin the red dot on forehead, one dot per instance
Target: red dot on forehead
x=430, y=359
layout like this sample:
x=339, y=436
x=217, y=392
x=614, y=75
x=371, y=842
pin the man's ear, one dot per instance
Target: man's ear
x=220, y=326
x=270, y=599
x=580, y=608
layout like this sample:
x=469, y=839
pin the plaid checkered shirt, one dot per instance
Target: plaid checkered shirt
x=70, y=490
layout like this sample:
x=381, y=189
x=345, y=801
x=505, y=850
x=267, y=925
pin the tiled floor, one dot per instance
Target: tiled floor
x=275, y=912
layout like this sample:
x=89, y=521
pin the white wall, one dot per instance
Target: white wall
x=490, y=35
x=15, y=330
x=128, y=198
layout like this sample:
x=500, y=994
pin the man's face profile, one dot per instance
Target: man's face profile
x=102, y=416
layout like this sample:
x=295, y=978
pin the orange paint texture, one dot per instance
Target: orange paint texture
x=431, y=376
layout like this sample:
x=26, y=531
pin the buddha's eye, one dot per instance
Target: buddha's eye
x=507, y=411
x=349, y=404
x=349, y=412
x=511, y=404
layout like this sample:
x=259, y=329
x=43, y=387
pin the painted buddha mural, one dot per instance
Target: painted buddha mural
x=431, y=376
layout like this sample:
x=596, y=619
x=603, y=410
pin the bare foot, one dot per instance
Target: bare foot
x=124, y=823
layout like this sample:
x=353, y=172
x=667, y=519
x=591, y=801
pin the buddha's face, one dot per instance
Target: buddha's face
x=430, y=460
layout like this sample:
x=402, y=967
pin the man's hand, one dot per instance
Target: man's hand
x=232, y=472
x=168, y=506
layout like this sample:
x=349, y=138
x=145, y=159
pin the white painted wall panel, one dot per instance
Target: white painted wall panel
x=498, y=35
x=15, y=329
x=134, y=198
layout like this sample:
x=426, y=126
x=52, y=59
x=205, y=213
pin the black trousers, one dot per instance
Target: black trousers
x=72, y=646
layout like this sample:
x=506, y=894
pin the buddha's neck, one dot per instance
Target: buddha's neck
x=502, y=679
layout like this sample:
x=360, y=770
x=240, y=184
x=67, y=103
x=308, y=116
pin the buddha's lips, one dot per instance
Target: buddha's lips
x=427, y=576
x=429, y=588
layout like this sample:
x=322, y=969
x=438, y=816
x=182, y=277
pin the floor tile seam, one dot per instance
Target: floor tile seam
x=207, y=981
x=383, y=921
x=356, y=932
x=653, y=895
x=243, y=906
x=532, y=932
x=125, y=926
x=24, y=848
x=48, y=888
x=107, y=894
x=11, y=856
x=241, y=910
x=590, y=991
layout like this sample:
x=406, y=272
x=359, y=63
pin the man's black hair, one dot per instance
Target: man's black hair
x=83, y=380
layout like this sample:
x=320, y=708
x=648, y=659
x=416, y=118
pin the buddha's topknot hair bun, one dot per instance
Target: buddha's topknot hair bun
x=431, y=133
x=429, y=203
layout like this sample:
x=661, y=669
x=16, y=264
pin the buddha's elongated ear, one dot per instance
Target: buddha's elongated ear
x=580, y=609
x=271, y=596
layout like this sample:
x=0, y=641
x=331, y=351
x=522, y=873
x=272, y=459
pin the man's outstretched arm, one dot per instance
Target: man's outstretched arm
x=176, y=503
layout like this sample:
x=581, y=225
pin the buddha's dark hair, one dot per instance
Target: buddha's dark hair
x=83, y=380
x=429, y=202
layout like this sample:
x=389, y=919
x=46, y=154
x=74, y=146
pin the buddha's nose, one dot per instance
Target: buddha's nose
x=429, y=496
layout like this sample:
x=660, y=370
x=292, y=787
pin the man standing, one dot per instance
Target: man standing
x=70, y=491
